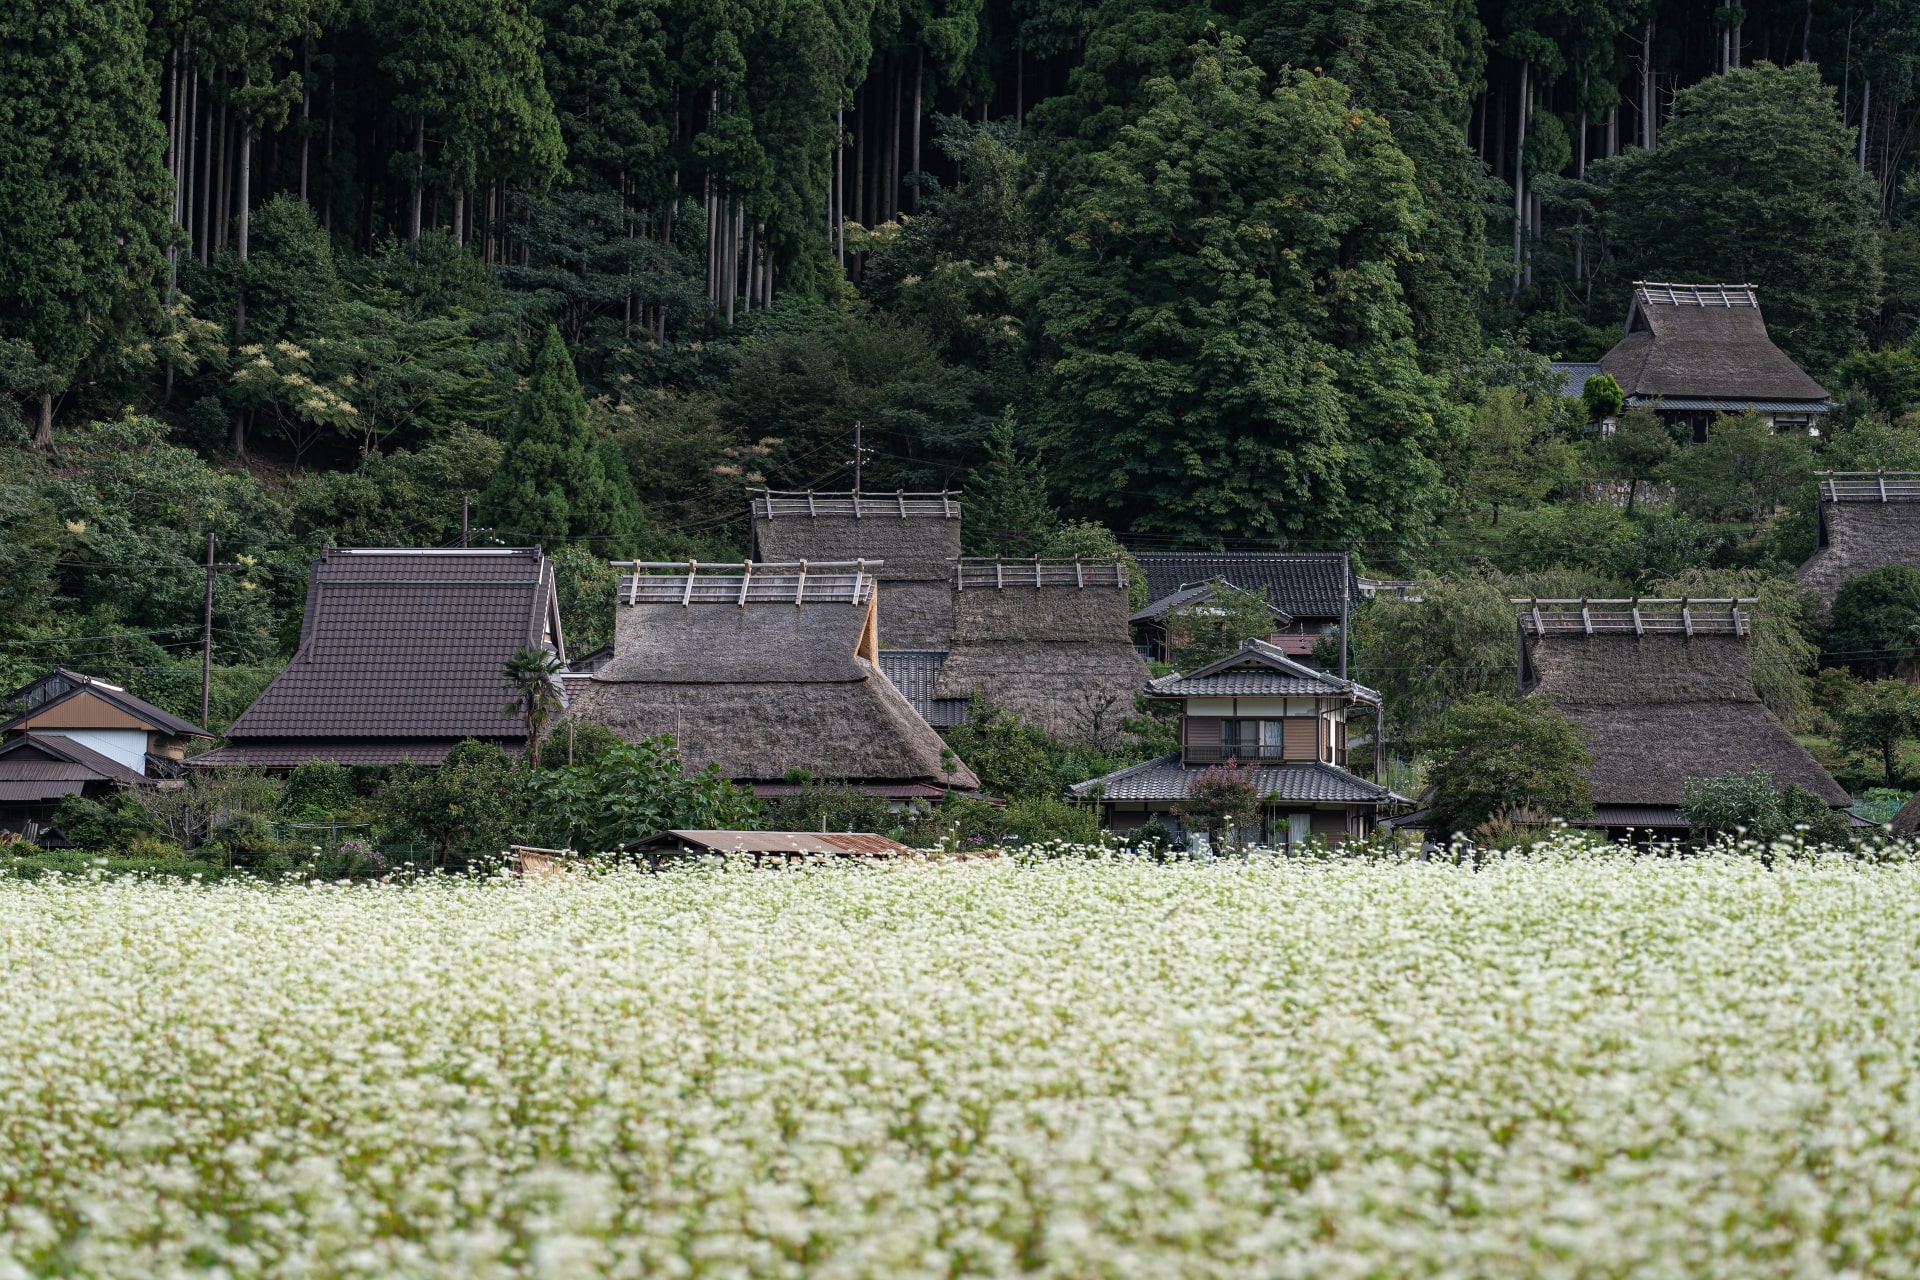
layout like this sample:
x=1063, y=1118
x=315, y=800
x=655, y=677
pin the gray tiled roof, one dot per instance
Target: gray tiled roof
x=406, y=643
x=1303, y=584
x=1574, y=374
x=1304, y=782
x=913, y=672
x=1257, y=670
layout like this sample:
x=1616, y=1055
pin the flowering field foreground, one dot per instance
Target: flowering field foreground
x=1550, y=1068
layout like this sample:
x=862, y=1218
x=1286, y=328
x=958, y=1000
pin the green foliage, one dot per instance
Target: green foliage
x=1490, y=756
x=1230, y=348
x=1041, y=818
x=224, y=808
x=550, y=487
x=1890, y=378
x=1743, y=470
x=1782, y=647
x=83, y=183
x=1747, y=805
x=1873, y=620
x=1875, y=719
x=532, y=678
x=573, y=743
x=1016, y=760
x=1511, y=455
x=112, y=823
x=317, y=790
x=1090, y=540
x=404, y=498
x=1754, y=180
x=476, y=798
x=632, y=791
x=585, y=584
x=1602, y=397
x=828, y=806
x=1007, y=513
x=1640, y=448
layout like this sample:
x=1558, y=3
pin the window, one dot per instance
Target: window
x=1299, y=829
x=1251, y=739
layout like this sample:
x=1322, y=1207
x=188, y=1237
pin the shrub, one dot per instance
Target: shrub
x=1873, y=620
x=1032, y=821
x=1748, y=805
x=1491, y=756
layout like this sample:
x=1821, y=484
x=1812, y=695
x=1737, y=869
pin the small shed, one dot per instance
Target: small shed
x=763, y=670
x=402, y=654
x=1663, y=691
x=1046, y=640
x=1867, y=520
x=911, y=539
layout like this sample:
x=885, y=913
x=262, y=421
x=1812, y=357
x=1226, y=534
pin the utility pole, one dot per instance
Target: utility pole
x=206, y=640
x=1346, y=606
x=858, y=455
x=463, y=521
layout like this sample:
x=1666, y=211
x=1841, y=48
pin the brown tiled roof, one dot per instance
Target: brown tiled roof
x=408, y=644
x=1704, y=341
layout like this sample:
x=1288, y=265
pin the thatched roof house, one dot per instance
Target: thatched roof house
x=1663, y=690
x=1867, y=520
x=402, y=655
x=763, y=669
x=913, y=537
x=1047, y=640
x=1696, y=350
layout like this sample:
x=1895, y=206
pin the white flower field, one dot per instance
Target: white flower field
x=1566, y=1066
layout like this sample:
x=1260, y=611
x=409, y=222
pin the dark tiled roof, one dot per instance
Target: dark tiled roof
x=59, y=684
x=1731, y=406
x=1307, y=782
x=1193, y=595
x=406, y=643
x=1703, y=341
x=42, y=754
x=1643, y=816
x=913, y=672
x=1303, y=584
x=269, y=754
x=1257, y=670
x=1574, y=375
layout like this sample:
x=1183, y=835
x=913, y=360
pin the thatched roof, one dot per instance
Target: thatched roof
x=1707, y=342
x=1034, y=640
x=745, y=678
x=1656, y=705
x=915, y=535
x=1867, y=520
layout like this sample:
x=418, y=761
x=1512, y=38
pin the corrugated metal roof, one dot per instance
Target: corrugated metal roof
x=1167, y=779
x=404, y=643
x=48, y=789
x=914, y=672
x=1303, y=584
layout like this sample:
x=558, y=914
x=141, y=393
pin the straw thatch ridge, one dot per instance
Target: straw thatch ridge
x=1660, y=708
x=919, y=548
x=763, y=689
x=1856, y=538
x=1703, y=340
x=1058, y=656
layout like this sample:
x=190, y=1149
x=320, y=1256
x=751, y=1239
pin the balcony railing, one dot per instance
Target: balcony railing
x=1221, y=753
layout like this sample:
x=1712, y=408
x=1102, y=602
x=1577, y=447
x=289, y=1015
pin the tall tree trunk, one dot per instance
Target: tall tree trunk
x=306, y=112
x=919, y=79
x=1613, y=130
x=1519, y=177
x=43, y=429
x=209, y=153
x=246, y=185
x=419, y=172
x=1580, y=172
x=326, y=215
x=893, y=150
x=1806, y=35
x=1866, y=116
x=1649, y=134
x=224, y=152
x=840, y=185
x=1019, y=86
x=238, y=441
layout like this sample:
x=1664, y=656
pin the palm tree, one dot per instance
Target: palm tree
x=533, y=678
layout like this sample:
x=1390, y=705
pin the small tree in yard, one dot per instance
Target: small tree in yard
x=1743, y=469
x=1601, y=396
x=1737, y=805
x=1873, y=620
x=477, y=797
x=1216, y=624
x=632, y=791
x=1222, y=797
x=533, y=678
x=1492, y=756
x=1875, y=719
x=1640, y=449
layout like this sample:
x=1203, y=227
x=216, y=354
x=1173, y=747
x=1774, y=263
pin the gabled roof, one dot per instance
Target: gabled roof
x=1258, y=669
x=1194, y=595
x=1707, y=342
x=1302, y=782
x=61, y=685
x=1574, y=375
x=405, y=643
x=51, y=757
x=1303, y=584
x=746, y=678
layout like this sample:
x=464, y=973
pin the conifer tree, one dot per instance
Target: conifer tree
x=83, y=184
x=1007, y=511
x=551, y=487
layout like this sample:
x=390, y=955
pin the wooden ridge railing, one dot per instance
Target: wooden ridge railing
x=769, y=504
x=997, y=573
x=1869, y=486
x=794, y=582
x=1640, y=616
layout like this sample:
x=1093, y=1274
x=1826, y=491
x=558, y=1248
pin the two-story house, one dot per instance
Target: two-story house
x=1286, y=725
